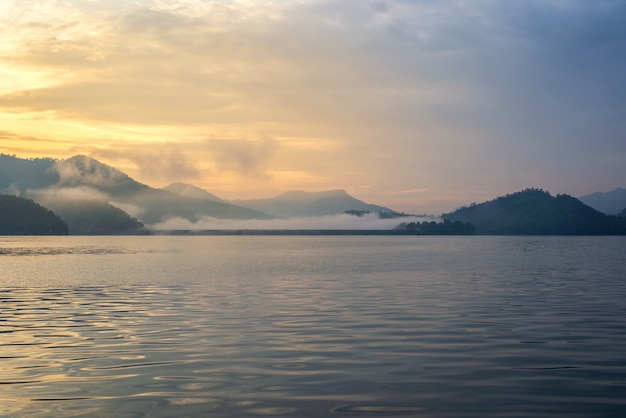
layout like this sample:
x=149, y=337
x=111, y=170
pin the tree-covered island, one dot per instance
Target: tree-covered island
x=536, y=212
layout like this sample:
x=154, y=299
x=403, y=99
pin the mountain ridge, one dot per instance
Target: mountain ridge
x=189, y=190
x=298, y=203
x=92, y=196
x=99, y=187
x=89, y=194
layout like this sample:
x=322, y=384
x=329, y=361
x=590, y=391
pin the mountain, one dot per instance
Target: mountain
x=82, y=171
x=610, y=203
x=19, y=216
x=100, y=190
x=150, y=205
x=300, y=204
x=536, y=212
x=189, y=190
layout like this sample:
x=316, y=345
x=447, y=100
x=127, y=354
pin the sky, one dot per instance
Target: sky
x=418, y=105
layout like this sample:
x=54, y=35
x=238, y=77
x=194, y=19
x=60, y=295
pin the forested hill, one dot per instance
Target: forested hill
x=19, y=216
x=536, y=212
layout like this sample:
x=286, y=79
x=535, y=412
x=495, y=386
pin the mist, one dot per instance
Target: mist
x=341, y=221
x=56, y=193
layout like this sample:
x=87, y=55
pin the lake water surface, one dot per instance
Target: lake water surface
x=368, y=326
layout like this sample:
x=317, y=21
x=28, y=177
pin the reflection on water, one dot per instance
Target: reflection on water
x=313, y=327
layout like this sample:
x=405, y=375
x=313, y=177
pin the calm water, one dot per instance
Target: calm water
x=313, y=326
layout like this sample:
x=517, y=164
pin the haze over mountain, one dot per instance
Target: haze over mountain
x=610, y=203
x=189, y=190
x=91, y=195
x=299, y=203
x=92, y=217
x=95, y=198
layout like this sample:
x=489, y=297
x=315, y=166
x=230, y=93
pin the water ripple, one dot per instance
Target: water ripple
x=385, y=410
x=250, y=328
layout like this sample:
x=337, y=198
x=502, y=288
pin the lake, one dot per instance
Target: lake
x=289, y=326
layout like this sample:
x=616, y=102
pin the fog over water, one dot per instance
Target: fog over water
x=343, y=221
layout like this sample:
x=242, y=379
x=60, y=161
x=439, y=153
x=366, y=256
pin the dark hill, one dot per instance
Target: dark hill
x=90, y=217
x=19, y=216
x=536, y=212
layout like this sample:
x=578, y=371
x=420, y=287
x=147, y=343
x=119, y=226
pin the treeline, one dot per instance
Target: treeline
x=19, y=216
x=447, y=227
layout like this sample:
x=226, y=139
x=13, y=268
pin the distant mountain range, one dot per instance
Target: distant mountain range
x=536, y=212
x=297, y=203
x=94, y=198
x=189, y=190
x=610, y=203
x=293, y=204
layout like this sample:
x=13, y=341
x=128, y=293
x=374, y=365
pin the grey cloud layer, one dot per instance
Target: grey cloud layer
x=312, y=59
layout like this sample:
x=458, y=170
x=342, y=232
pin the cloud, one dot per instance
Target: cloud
x=59, y=193
x=165, y=162
x=343, y=222
x=394, y=64
x=82, y=170
x=245, y=156
x=133, y=210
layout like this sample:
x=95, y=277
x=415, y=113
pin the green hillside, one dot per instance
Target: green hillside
x=536, y=212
